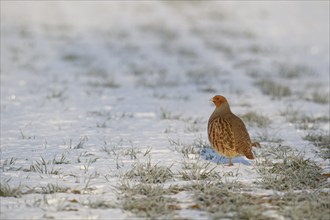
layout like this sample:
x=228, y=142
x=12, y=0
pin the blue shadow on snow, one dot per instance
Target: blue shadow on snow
x=210, y=155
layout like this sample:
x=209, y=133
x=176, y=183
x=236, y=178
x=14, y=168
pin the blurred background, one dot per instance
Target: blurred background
x=91, y=88
x=65, y=59
x=70, y=58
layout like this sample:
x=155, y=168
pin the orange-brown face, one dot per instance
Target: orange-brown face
x=218, y=100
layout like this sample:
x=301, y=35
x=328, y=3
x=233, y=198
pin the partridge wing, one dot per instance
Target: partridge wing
x=241, y=136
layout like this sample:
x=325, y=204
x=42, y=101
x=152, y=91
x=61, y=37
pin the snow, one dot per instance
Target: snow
x=102, y=74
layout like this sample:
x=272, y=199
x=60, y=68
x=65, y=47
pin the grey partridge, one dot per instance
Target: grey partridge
x=227, y=133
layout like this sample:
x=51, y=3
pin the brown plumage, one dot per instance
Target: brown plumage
x=227, y=133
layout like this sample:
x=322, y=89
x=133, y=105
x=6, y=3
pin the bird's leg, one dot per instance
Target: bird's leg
x=230, y=162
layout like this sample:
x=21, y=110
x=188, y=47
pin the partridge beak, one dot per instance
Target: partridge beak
x=211, y=101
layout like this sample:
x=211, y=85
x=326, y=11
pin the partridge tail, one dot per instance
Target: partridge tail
x=249, y=155
x=255, y=144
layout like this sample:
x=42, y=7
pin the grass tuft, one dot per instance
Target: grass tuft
x=145, y=189
x=222, y=203
x=106, y=83
x=52, y=188
x=148, y=173
x=255, y=119
x=151, y=207
x=304, y=205
x=41, y=166
x=99, y=204
x=198, y=171
x=301, y=120
x=322, y=141
x=202, y=75
x=81, y=143
x=274, y=89
x=62, y=160
x=266, y=135
x=8, y=191
x=9, y=164
x=167, y=115
x=147, y=200
x=291, y=71
x=319, y=97
x=283, y=169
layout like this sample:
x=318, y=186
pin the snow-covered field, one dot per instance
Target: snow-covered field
x=104, y=109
